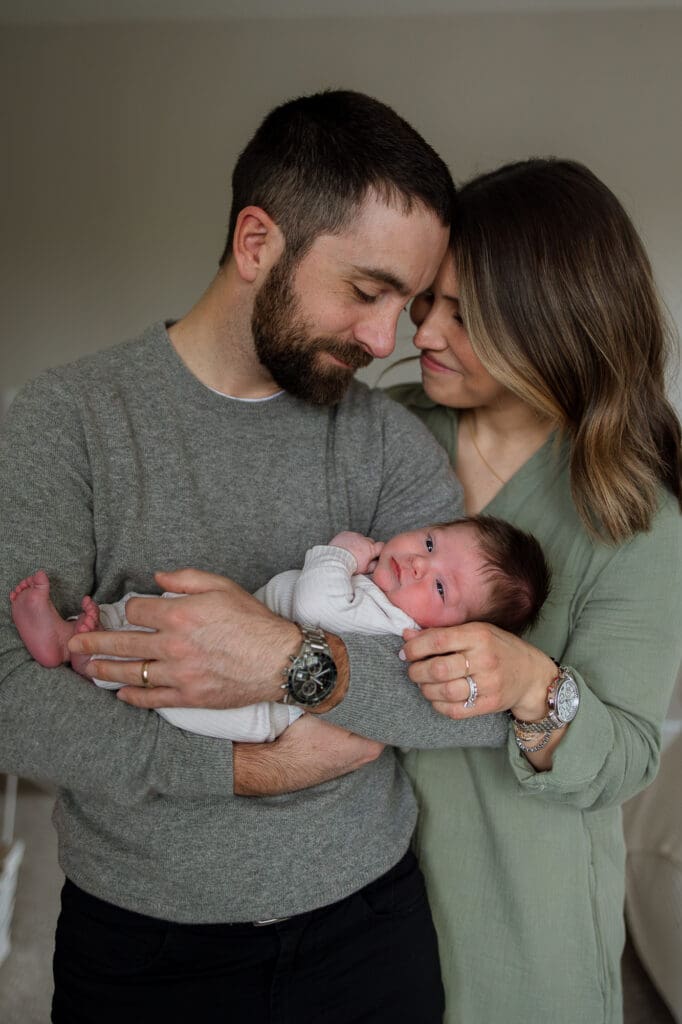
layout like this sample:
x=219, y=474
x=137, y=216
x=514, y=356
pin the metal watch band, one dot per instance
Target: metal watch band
x=544, y=725
x=563, y=701
x=311, y=674
x=550, y=722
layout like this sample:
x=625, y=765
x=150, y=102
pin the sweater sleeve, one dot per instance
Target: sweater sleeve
x=624, y=651
x=53, y=725
x=382, y=703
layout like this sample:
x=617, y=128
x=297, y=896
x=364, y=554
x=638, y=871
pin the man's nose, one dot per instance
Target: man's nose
x=377, y=333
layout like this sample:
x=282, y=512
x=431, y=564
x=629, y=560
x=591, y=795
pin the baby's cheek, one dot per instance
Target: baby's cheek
x=417, y=605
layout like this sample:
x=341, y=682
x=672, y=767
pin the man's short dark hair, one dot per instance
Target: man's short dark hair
x=314, y=159
x=517, y=569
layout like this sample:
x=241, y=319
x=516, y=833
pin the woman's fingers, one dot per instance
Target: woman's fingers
x=480, y=664
x=439, y=669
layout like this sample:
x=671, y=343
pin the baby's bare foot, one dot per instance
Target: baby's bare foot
x=88, y=620
x=45, y=633
x=38, y=582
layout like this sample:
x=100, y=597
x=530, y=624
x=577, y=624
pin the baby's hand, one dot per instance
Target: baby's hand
x=365, y=550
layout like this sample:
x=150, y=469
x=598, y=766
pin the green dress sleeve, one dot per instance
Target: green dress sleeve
x=624, y=650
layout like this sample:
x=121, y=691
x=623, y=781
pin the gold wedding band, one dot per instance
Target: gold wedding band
x=145, y=674
x=468, y=666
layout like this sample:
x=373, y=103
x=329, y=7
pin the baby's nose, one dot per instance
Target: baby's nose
x=418, y=566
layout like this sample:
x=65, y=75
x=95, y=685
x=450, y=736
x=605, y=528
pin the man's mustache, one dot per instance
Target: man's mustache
x=353, y=355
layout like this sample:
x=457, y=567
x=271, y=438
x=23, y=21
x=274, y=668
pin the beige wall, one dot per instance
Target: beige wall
x=120, y=140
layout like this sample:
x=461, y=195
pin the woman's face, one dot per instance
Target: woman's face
x=451, y=373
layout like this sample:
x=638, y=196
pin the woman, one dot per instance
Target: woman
x=542, y=356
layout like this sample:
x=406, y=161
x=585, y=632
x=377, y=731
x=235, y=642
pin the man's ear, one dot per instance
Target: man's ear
x=257, y=244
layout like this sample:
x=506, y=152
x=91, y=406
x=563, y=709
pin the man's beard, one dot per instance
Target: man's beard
x=293, y=356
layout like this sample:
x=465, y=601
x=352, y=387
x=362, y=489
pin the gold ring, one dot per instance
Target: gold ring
x=468, y=666
x=145, y=674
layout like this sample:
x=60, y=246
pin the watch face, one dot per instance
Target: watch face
x=312, y=678
x=567, y=699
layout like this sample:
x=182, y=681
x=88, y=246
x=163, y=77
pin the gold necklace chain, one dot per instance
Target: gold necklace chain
x=481, y=455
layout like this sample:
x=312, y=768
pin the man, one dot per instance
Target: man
x=231, y=440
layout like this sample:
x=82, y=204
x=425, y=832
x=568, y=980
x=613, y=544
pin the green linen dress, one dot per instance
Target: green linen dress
x=525, y=870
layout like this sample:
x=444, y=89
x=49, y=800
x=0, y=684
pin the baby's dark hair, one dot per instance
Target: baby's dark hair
x=518, y=570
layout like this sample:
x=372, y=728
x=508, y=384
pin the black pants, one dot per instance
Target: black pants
x=371, y=957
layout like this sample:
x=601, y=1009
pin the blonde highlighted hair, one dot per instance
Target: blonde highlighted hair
x=558, y=298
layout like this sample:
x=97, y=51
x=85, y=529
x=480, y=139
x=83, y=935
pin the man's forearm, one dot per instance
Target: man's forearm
x=54, y=726
x=307, y=754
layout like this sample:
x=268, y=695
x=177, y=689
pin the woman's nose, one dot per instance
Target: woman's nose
x=427, y=336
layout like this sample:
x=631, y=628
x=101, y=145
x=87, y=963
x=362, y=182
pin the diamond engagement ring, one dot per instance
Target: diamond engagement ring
x=473, y=692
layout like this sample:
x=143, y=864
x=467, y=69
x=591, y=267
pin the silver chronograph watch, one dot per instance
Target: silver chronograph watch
x=563, y=701
x=311, y=676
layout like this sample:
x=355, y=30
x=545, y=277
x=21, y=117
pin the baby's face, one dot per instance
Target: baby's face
x=436, y=575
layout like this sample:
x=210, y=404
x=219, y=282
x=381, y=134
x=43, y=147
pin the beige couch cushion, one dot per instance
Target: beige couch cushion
x=653, y=832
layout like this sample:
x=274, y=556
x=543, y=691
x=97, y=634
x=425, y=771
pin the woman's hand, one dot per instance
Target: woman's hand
x=509, y=673
x=308, y=753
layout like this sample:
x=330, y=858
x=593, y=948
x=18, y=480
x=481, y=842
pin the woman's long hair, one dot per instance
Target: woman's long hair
x=557, y=295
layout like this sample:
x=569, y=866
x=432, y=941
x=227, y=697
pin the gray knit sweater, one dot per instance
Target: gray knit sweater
x=122, y=464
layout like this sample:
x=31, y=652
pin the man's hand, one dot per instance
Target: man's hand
x=216, y=648
x=364, y=550
x=308, y=753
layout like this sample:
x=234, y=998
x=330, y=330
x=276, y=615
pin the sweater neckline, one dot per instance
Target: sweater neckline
x=202, y=393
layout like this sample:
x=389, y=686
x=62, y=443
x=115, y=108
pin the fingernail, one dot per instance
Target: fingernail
x=401, y=655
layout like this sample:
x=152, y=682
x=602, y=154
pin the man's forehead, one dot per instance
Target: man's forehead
x=377, y=215
x=401, y=249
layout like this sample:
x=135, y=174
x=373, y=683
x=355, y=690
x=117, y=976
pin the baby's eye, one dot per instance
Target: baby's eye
x=429, y=543
x=441, y=590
